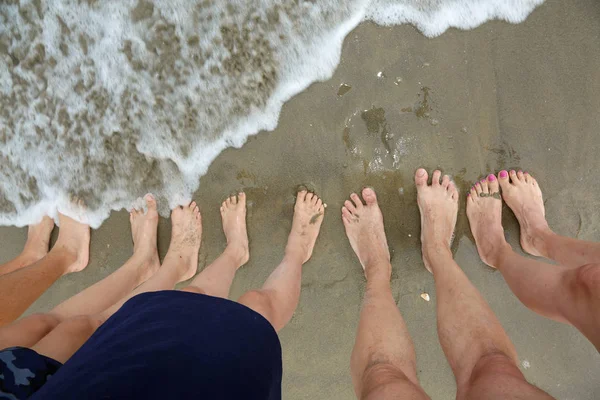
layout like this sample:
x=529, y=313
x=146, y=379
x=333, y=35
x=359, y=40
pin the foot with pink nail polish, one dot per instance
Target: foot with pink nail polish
x=484, y=209
x=524, y=197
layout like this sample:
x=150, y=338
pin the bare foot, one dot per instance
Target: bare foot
x=38, y=240
x=186, y=237
x=143, y=230
x=438, y=204
x=364, y=228
x=524, y=197
x=308, y=216
x=74, y=240
x=484, y=209
x=233, y=214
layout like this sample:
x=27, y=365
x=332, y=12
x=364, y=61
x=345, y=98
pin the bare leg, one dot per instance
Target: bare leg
x=279, y=296
x=524, y=196
x=216, y=279
x=22, y=287
x=564, y=294
x=181, y=261
x=98, y=297
x=383, y=363
x=143, y=264
x=38, y=239
x=180, y=265
x=480, y=353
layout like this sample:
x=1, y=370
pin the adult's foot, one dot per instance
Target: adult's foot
x=484, y=210
x=233, y=215
x=308, y=216
x=524, y=197
x=144, y=230
x=186, y=237
x=38, y=240
x=73, y=242
x=365, y=231
x=438, y=204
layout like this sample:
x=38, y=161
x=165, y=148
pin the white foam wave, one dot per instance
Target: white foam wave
x=105, y=101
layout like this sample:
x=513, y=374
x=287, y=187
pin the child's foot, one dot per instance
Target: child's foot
x=73, y=241
x=186, y=237
x=144, y=230
x=233, y=214
x=38, y=240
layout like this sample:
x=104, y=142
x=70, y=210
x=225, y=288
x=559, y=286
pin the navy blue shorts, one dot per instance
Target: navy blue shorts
x=174, y=345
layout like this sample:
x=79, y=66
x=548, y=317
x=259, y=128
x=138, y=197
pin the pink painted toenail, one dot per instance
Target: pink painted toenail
x=503, y=174
x=468, y=194
x=491, y=177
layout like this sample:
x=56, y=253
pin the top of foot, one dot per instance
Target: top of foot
x=233, y=215
x=73, y=238
x=438, y=204
x=144, y=230
x=365, y=231
x=186, y=237
x=38, y=239
x=308, y=216
x=484, y=209
x=524, y=197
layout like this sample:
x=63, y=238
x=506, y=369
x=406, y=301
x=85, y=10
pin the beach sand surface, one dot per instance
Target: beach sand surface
x=469, y=102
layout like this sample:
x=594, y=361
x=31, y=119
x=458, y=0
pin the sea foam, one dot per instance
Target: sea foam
x=104, y=101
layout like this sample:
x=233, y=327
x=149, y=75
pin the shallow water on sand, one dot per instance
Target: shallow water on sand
x=102, y=102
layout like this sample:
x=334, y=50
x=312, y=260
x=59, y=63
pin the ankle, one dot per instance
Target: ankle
x=433, y=252
x=294, y=256
x=63, y=256
x=378, y=271
x=540, y=236
x=237, y=253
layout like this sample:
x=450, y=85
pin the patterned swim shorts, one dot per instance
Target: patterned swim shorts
x=23, y=372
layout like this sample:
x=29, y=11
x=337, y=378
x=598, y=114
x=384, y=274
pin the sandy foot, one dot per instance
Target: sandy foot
x=524, y=197
x=365, y=231
x=308, y=216
x=144, y=231
x=186, y=237
x=233, y=215
x=484, y=209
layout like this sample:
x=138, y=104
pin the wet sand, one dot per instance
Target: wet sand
x=500, y=96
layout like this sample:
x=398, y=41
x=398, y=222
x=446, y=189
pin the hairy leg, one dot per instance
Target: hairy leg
x=36, y=247
x=216, y=279
x=22, y=287
x=565, y=294
x=478, y=350
x=278, y=298
x=383, y=362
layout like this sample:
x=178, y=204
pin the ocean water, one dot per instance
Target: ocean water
x=103, y=101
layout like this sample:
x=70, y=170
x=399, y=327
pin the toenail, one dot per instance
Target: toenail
x=492, y=177
x=420, y=172
x=503, y=174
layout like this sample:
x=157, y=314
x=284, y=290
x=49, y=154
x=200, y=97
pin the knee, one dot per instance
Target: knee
x=496, y=375
x=261, y=302
x=384, y=380
x=491, y=370
x=82, y=324
x=43, y=322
